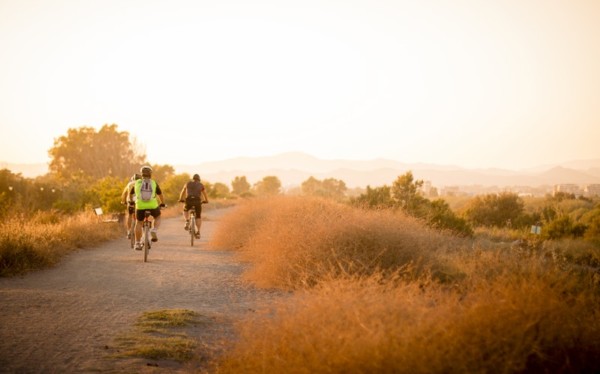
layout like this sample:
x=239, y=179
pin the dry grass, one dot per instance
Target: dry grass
x=294, y=242
x=42, y=239
x=361, y=307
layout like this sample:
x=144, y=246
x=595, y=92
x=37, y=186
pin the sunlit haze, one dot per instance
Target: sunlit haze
x=492, y=83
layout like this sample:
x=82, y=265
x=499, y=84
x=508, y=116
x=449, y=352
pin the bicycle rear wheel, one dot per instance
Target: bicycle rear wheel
x=146, y=241
x=192, y=228
x=132, y=233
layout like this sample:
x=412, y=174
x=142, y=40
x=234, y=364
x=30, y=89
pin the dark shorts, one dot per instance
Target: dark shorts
x=140, y=215
x=131, y=208
x=193, y=202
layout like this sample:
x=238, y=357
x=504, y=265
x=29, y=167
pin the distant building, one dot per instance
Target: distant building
x=568, y=188
x=451, y=191
x=426, y=188
x=591, y=190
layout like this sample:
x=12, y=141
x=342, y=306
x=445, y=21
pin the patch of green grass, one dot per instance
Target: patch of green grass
x=157, y=335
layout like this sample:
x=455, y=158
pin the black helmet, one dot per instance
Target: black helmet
x=196, y=177
x=146, y=170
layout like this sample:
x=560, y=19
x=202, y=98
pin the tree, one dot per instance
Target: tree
x=405, y=191
x=378, y=197
x=330, y=188
x=171, y=187
x=268, y=186
x=162, y=172
x=240, y=186
x=87, y=153
x=106, y=193
x=439, y=215
x=495, y=210
x=219, y=190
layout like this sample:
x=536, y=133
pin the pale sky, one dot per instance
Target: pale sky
x=480, y=83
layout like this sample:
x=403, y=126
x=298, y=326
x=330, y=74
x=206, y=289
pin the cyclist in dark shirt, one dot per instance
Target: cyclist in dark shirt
x=193, y=194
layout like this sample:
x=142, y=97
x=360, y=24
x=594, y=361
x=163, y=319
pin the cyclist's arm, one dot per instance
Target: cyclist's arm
x=183, y=192
x=124, y=195
x=204, y=195
x=159, y=195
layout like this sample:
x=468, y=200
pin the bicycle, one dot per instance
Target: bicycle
x=192, y=228
x=146, y=227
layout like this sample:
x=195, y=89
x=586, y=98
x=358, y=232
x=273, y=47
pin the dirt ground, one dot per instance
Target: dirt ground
x=65, y=319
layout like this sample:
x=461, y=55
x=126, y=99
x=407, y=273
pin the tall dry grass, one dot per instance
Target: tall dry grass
x=293, y=242
x=42, y=239
x=359, y=308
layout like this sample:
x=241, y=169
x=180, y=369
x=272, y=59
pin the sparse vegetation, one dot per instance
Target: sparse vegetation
x=295, y=242
x=39, y=240
x=157, y=335
x=375, y=291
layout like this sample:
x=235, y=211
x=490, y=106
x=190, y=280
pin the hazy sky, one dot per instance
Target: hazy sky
x=472, y=83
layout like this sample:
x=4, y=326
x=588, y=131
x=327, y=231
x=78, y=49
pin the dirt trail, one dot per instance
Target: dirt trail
x=65, y=319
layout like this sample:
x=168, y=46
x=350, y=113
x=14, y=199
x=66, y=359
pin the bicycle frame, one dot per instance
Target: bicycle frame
x=192, y=228
x=146, y=226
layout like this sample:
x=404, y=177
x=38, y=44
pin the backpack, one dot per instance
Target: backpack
x=146, y=190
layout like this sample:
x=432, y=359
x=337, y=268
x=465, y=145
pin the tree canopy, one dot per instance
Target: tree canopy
x=87, y=153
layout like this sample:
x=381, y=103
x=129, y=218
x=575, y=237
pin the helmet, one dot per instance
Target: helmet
x=196, y=177
x=146, y=170
x=135, y=176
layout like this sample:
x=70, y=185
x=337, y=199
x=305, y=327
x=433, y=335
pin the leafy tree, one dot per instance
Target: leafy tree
x=495, y=210
x=172, y=185
x=439, y=215
x=219, y=190
x=240, y=186
x=106, y=193
x=377, y=197
x=268, y=186
x=592, y=219
x=310, y=186
x=162, y=172
x=12, y=189
x=87, y=153
x=329, y=188
x=405, y=192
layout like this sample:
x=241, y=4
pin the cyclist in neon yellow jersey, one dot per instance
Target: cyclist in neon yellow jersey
x=148, y=196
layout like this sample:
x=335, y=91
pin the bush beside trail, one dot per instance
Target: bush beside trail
x=42, y=239
x=375, y=292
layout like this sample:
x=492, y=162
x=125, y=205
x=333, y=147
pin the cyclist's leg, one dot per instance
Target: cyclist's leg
x=130, y=217
x=156, y=215
x=198, y=216
x=186, y=215
x=138, y=225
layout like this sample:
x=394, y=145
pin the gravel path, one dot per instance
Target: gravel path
x=65, y=319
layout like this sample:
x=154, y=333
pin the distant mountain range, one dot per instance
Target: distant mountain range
x=293, y=168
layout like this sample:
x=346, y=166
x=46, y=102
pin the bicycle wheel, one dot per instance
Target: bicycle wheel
x=132, y=233
x=192, y=228
x=146, y=241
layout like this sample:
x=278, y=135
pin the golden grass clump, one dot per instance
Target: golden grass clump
x=542, y=320
x=293, y=242
x=40, y=240
x=376, y=291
